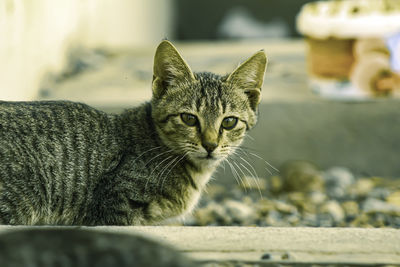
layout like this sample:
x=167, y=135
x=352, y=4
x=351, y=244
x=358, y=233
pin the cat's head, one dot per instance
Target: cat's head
x=203, y=115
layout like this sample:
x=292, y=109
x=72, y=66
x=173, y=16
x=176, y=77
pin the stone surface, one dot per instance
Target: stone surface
x=284, y=245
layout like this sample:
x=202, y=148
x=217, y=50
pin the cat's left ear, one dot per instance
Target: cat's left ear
x=169, y=68
x=249, y=76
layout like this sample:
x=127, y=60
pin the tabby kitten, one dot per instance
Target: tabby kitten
x=66, y=163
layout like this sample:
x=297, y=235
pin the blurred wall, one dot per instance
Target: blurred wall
x=34, y=35
x=210, y=19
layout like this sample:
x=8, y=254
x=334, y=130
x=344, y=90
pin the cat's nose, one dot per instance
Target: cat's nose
x=209, y=146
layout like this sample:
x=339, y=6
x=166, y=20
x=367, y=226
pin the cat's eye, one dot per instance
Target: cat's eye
x=229, y=123
x=189, y=119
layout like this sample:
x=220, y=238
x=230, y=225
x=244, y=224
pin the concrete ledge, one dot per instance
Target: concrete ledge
x=273, y=245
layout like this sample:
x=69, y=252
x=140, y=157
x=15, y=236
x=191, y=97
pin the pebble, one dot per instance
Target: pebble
x=350, y=208
x=284, y=207
x=273, y=218
x=215, y=192
x=309, y=219
x=275, y=184
x=361, y=188
x=297, y=198
x=334, y=209
x=301, y=176
x=264, y=206
x=238, y=211
x=337, y=180
x=293, y=219
x=366, y=202
x=302, y=201
x=253, y=183
x=324, y=220
x=376, y=205
x=361, y=221
x=379, y=192
x=394, y=198
x=318, y=197
x=266, y=256
x=280, y=221
x=212, y=214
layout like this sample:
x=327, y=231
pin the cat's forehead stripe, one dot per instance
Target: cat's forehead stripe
x=211, y=92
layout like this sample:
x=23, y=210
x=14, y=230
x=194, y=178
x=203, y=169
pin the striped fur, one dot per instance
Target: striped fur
x=66, y=163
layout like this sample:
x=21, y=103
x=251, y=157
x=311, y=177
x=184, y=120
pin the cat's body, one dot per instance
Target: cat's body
x=51, y=153
x=92, y=159
x=67, y=163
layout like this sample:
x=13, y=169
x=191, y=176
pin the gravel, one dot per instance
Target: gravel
x=302, y=195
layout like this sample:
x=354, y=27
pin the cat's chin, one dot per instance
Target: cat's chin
x=206, y=161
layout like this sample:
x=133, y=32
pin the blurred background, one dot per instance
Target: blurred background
x=329, y=116
x=37, y=36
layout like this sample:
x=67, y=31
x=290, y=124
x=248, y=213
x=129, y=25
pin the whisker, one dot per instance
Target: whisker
x=227, y=161
x=245, y=147
x=160, y=175
x=241, y=179
x=173, y=162
x=173, y=166
x=269, y=164
x=185, y=147
x=252, y=173
x=167, y=158
x=253, y=167
x=159, y=155
x=151, y=149
x=234, y=172
x=255, y=179
x=250, y=137
x=257, y=156
x=155, y=168
x=248, y=163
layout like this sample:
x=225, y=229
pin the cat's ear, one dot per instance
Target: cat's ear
x=249, y=76
x=169, y=68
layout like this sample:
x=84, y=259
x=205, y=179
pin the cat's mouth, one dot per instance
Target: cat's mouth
x=208, y=157
x=206, y=160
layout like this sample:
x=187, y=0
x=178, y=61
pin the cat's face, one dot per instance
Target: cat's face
x=204, y=116
x=205, y=119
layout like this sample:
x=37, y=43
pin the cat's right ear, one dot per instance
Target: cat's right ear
x=169, y=68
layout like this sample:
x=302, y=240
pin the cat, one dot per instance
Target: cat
x=84, y=248
x=65, y=163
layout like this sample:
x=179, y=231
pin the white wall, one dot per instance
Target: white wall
x=34, y=34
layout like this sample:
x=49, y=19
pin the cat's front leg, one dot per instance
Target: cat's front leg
x=115, y=206
x=109, y=215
